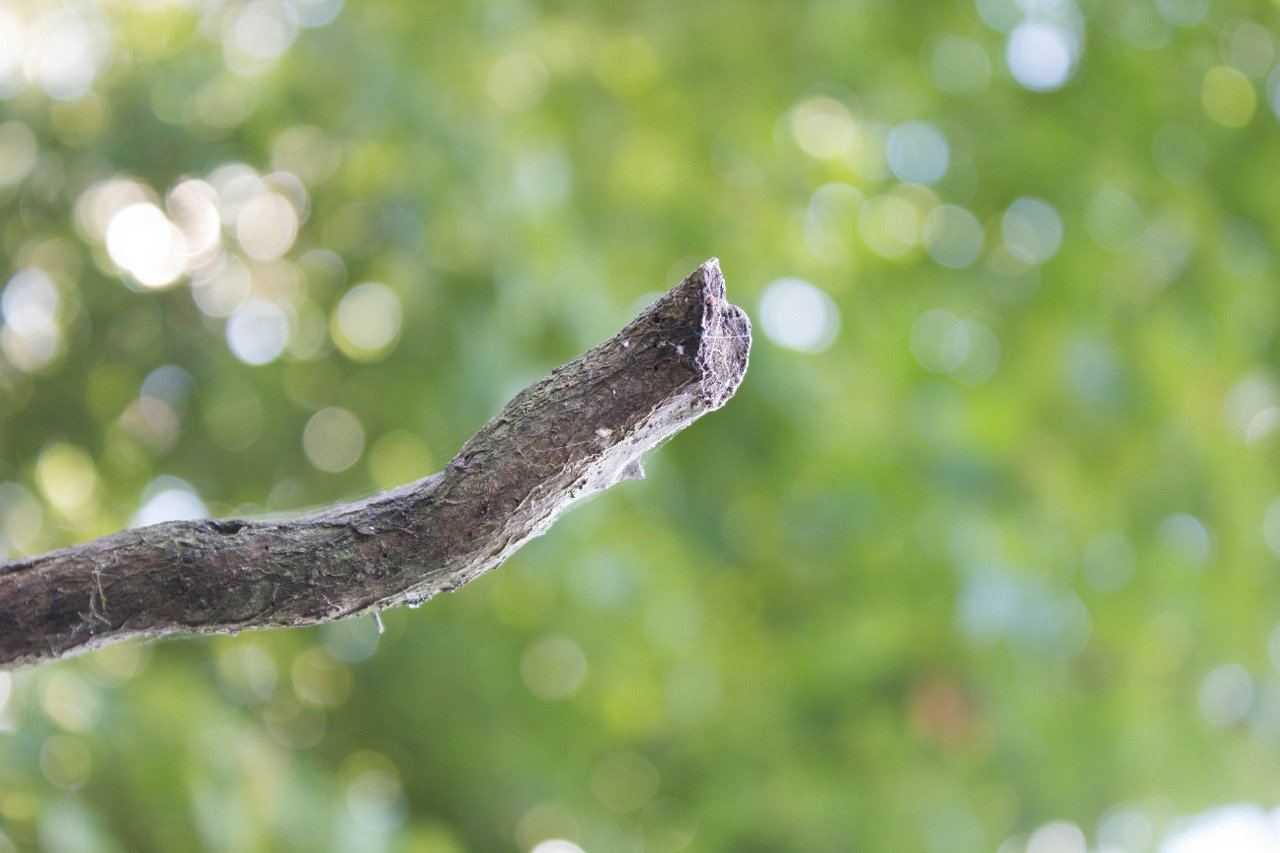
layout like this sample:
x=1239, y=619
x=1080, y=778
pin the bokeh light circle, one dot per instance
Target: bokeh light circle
x=797, y=315
x=333, y=439
x=1039, y=56
x=366, y=322
x=257, y=332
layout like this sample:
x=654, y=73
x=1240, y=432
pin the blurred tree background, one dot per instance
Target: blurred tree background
x=982, y=557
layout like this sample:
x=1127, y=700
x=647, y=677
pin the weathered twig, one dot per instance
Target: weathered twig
x=580, y=430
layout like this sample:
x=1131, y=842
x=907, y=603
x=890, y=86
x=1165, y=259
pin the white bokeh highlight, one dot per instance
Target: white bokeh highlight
x=333, y=439
x=168, y=499
x=1040, y=55
x=799, y=316
x=143, y=242
x=258, y=332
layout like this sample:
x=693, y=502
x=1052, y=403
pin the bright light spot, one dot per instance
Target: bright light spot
x=918, y=153
x=553, y=668
x=1114, y=220
x=964, y=349
x=1039, y=55
x=956, y=65
x=333, y=439
x=18, y=151
x=29, y=304
x=258, y=332
x=1226, y=695
x=6, y=690
x=257, y=35
x=264, y=29
x=1183, y=13
x=797, y=315
x=822, y=127
x=517, y=81
x=952, y=236
x=67, y=477
x=291, y=188
x=556, y=845
x=1108, y=562
x=222, y=287
x=144, y=243
x=101, y=202
x=377, y=802
x=237, y=185
x=1228, y=96
x=1243, y=828
x=193, y=208
x=1057, y=837
x=266, y=226
x=168, y=499
x=12, y=48
x=624, y=781
x=1032, y=230
x=366, y=321
x=64, y=47
x=1187, y=538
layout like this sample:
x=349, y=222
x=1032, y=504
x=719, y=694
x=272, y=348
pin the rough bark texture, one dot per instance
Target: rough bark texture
x=579, y=430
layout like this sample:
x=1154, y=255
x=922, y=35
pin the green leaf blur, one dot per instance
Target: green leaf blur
x=983, y=555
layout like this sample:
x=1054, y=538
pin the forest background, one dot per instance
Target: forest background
x=983, y=556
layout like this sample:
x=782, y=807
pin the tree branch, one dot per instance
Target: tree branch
x=576, y=432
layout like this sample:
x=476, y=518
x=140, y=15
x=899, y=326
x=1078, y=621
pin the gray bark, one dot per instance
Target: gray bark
x=576, y=432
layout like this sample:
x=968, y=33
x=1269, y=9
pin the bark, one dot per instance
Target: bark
x=574, y=433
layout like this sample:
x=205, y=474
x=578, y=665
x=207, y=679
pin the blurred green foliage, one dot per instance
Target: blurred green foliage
x=982, y=556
